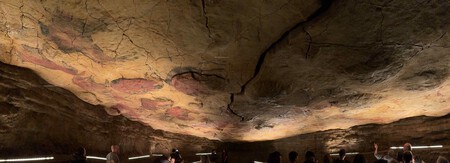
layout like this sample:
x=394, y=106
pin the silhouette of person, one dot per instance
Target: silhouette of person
x=113, y=156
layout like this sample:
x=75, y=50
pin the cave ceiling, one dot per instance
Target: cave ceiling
x=238, y=70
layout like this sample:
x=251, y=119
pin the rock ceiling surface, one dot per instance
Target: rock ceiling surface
x=239, y=70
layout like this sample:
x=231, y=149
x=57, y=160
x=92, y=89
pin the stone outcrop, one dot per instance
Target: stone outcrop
x=39, y=119
x=419, y=131
x=239, y=70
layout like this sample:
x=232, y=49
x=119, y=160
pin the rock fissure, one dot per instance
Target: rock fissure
x=193, y=73
x=322, y=9
x=148, y=53
x=118, y=45
x=310, y=41
x=324, y=6
x=324, y=44
x=21, y=14
x=206, y=18
x=230, y=108
x=440, y=37
x=333, y=61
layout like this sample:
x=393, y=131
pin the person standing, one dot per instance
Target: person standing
x=113, y=156
x=274, y=157
x=389, y=157
x=213, y=158
x=293, y=157
x=224, y=156
x=310, y=157
x=359, y=158
x=79, y=156
x=407, y=150
x=175, y=157
x=342, y=155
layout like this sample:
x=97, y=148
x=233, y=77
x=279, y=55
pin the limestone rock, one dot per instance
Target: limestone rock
x=238, y=70
x=37, y=118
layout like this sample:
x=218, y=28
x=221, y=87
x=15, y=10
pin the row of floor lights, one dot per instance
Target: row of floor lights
x=197, y=154
x=138, y=157
x=203, y=154
x=95, y=158
x=43, y=159
x=421, y=147
x=145, y=156
x=26, y=159
x=350, y=153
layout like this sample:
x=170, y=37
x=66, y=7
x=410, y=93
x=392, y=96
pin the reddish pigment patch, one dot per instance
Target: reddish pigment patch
x=90, y=85
x=26, y=57
x=156, y=104
x=135, y=86
x=179, y=113
x=187, y=84
x=222, y=125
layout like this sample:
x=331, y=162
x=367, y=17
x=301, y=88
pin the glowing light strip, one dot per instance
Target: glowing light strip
x=95, y=157
x=157, y=155
x=202, y=154
x=26, y=159
x=138, y=157
x=257, y=162
x=351, y=153
x=421, y=147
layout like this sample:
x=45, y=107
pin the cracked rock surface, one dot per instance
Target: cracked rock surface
x=239, y=70
x=37, y=118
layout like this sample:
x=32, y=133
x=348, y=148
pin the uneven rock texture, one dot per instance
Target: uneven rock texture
x=359, y=62
x=239, y=70
x=37, y=118
x=418, y=131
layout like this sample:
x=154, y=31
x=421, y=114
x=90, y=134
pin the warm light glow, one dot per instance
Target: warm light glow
x=26, y=159
x=257, y=162
x=202, y=154
x=95, y=157
x=138, y=157
x=351, y=153
x=421, y=147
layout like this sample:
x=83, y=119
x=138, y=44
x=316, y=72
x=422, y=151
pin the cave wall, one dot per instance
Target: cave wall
x=229, y=70
x=235, y=70
x=421, y=130
x=179, y=52
x=39, y=119
x=354, y=62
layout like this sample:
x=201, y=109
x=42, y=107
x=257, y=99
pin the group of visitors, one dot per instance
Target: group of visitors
x=80, y=155
x=405, y=156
